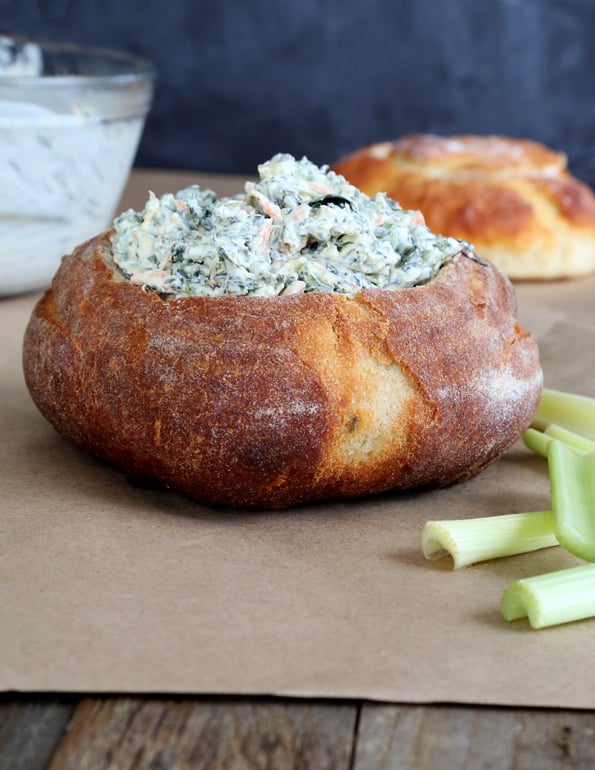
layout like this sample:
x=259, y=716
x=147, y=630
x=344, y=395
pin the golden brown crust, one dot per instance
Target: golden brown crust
x=514, y=199
x=253, y=402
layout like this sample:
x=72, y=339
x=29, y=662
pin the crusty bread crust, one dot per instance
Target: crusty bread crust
x=514, y=199
x=272, y=402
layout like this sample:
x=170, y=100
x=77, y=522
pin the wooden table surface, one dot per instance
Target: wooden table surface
x=89, y=732
x=64, y=732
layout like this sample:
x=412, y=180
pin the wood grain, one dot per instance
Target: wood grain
x=148, y=733
x=30, y=729
x=473, y=738
x=184, y=734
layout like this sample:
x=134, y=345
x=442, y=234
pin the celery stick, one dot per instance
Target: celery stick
x=553, y=598
x=572, y=485
x=537, y=441
x=569, y=410
x=491, y=537
x=571, y=438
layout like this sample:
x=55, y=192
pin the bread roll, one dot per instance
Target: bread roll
x=513, y=199
x=273, y=401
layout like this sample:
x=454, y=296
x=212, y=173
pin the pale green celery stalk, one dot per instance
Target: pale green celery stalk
x=537, y=441
x=572, y=485
x=472, y=540
x=571, y=438
x=553, y=598
x=569, y=410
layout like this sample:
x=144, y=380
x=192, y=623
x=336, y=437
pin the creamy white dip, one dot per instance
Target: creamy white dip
x=61, y=179
x=63, y=164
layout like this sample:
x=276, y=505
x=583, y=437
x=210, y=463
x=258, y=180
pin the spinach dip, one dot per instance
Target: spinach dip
x=299, y=228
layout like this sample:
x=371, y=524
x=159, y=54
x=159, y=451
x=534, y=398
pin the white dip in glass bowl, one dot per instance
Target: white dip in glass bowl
x=70, y=122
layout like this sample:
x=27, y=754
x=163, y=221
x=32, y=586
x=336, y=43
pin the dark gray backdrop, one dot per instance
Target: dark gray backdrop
x=242, y=79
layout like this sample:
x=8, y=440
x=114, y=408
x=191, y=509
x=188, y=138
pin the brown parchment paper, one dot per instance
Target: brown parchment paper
x=105, y=587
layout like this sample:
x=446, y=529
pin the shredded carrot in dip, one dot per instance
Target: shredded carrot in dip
x=299, y=228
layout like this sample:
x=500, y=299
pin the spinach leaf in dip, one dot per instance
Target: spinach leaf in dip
x=299, y=228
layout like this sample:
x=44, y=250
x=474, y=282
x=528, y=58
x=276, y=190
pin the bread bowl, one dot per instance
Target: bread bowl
x=256, y=401
x=514, y=199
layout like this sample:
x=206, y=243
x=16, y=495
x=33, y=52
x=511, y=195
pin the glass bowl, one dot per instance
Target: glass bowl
x=71, y=118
